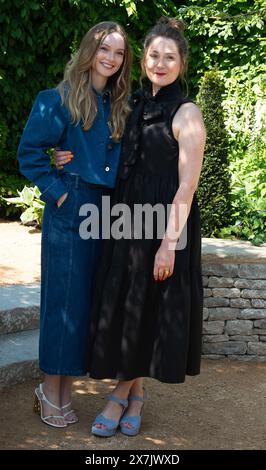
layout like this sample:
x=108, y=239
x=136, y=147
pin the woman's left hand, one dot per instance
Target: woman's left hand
x=61, y=158
x=164, y=262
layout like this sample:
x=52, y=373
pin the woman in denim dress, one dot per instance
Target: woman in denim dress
x=85, y=114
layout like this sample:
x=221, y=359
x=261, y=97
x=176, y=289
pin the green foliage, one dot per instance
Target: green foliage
x=214, y=187
x=29, y=200
x=224, y=32
x=244, y=106
x=9, y=185
x=36, y=41
x=3, y=133
x=245, y=115
x=249, y=196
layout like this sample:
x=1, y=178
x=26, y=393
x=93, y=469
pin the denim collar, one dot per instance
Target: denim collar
x=105, y=93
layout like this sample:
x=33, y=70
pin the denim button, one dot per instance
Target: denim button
x=109, y=146
x=107, y=168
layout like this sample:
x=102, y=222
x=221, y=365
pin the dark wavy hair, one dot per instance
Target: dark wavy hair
x=169, y=28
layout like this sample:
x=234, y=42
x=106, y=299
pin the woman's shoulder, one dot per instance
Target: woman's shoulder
x=50, y=94
x=188, y=114
x=188, y=107
x=50, y=100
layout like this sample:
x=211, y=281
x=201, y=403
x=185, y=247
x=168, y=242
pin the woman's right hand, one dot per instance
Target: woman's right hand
x=62, y=199
x=62, y=157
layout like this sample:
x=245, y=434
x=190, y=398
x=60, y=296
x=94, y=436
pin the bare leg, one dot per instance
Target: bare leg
x=66, y=397
x=51, y=389
x=113, y=410
x=134, y=406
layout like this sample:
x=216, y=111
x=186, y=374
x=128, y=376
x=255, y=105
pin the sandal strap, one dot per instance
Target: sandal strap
x=136, y=398
x=133, y=420
x=53, y=416
x=65, y=406
x=121, y=401
x=44, y=398
x=107, y=422
x=68, y=412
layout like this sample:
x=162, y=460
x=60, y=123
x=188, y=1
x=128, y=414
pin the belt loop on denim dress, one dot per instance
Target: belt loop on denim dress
x=77, y=179
x=74, y=179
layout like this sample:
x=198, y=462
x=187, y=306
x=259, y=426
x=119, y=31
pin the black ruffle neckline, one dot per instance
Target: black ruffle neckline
x=145, y=107
x=166, y=93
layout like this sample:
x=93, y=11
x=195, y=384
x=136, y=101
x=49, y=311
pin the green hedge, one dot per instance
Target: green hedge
x=9, y=185
x=214, y=186
x=36, y=41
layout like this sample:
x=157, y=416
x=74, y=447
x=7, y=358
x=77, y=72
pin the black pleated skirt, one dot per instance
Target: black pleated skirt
x=140, y=327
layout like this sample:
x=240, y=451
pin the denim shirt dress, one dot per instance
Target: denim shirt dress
x=68, y=262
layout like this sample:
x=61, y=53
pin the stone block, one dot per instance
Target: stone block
x=223, y=313
x=252, y=271
x=250, y=284
x=258, y=303
x=224, y=292
x=225, y=270
x=258, y=349
x=226, y=348
x=240, y=303
x=252, y=313
x=220, y=281
x=216, y=302
x=239, y=327
x=253, y=294
x=213, y=327
x=215, y=338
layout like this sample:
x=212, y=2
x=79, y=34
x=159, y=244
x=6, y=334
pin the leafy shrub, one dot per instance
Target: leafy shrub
x=36, y=41
x=214, y=186
x=3, y=132
x=9, y=185
x=245, y=113
x=29, y=199
x=244, y=107
x=224, y=32
x=249, y=196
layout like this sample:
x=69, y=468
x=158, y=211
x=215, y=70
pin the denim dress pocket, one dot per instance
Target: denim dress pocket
x=64, y=208
x=65, y=203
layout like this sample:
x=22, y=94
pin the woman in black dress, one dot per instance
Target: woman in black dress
x=147, y=308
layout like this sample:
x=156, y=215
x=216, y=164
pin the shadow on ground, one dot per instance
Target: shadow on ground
x=223, y=408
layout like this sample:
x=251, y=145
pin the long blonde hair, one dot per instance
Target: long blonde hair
x=76, y=87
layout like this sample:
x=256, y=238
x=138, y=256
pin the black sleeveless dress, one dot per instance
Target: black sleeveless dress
x=140, y=327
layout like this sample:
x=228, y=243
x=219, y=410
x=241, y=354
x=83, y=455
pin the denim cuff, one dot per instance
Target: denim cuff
x=54, y=191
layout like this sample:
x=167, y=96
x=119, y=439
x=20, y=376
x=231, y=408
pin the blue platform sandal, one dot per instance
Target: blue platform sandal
x=110, y=424
x=134, y=421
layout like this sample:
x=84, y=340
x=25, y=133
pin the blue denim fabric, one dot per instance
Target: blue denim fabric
x=96, y=155
x=68, y=267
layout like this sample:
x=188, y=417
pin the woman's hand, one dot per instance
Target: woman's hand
x=164, y=262
x=61, y=157
x=62, y=199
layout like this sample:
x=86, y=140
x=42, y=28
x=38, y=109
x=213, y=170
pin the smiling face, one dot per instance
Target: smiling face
x=109, y=57
x=162, y=62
